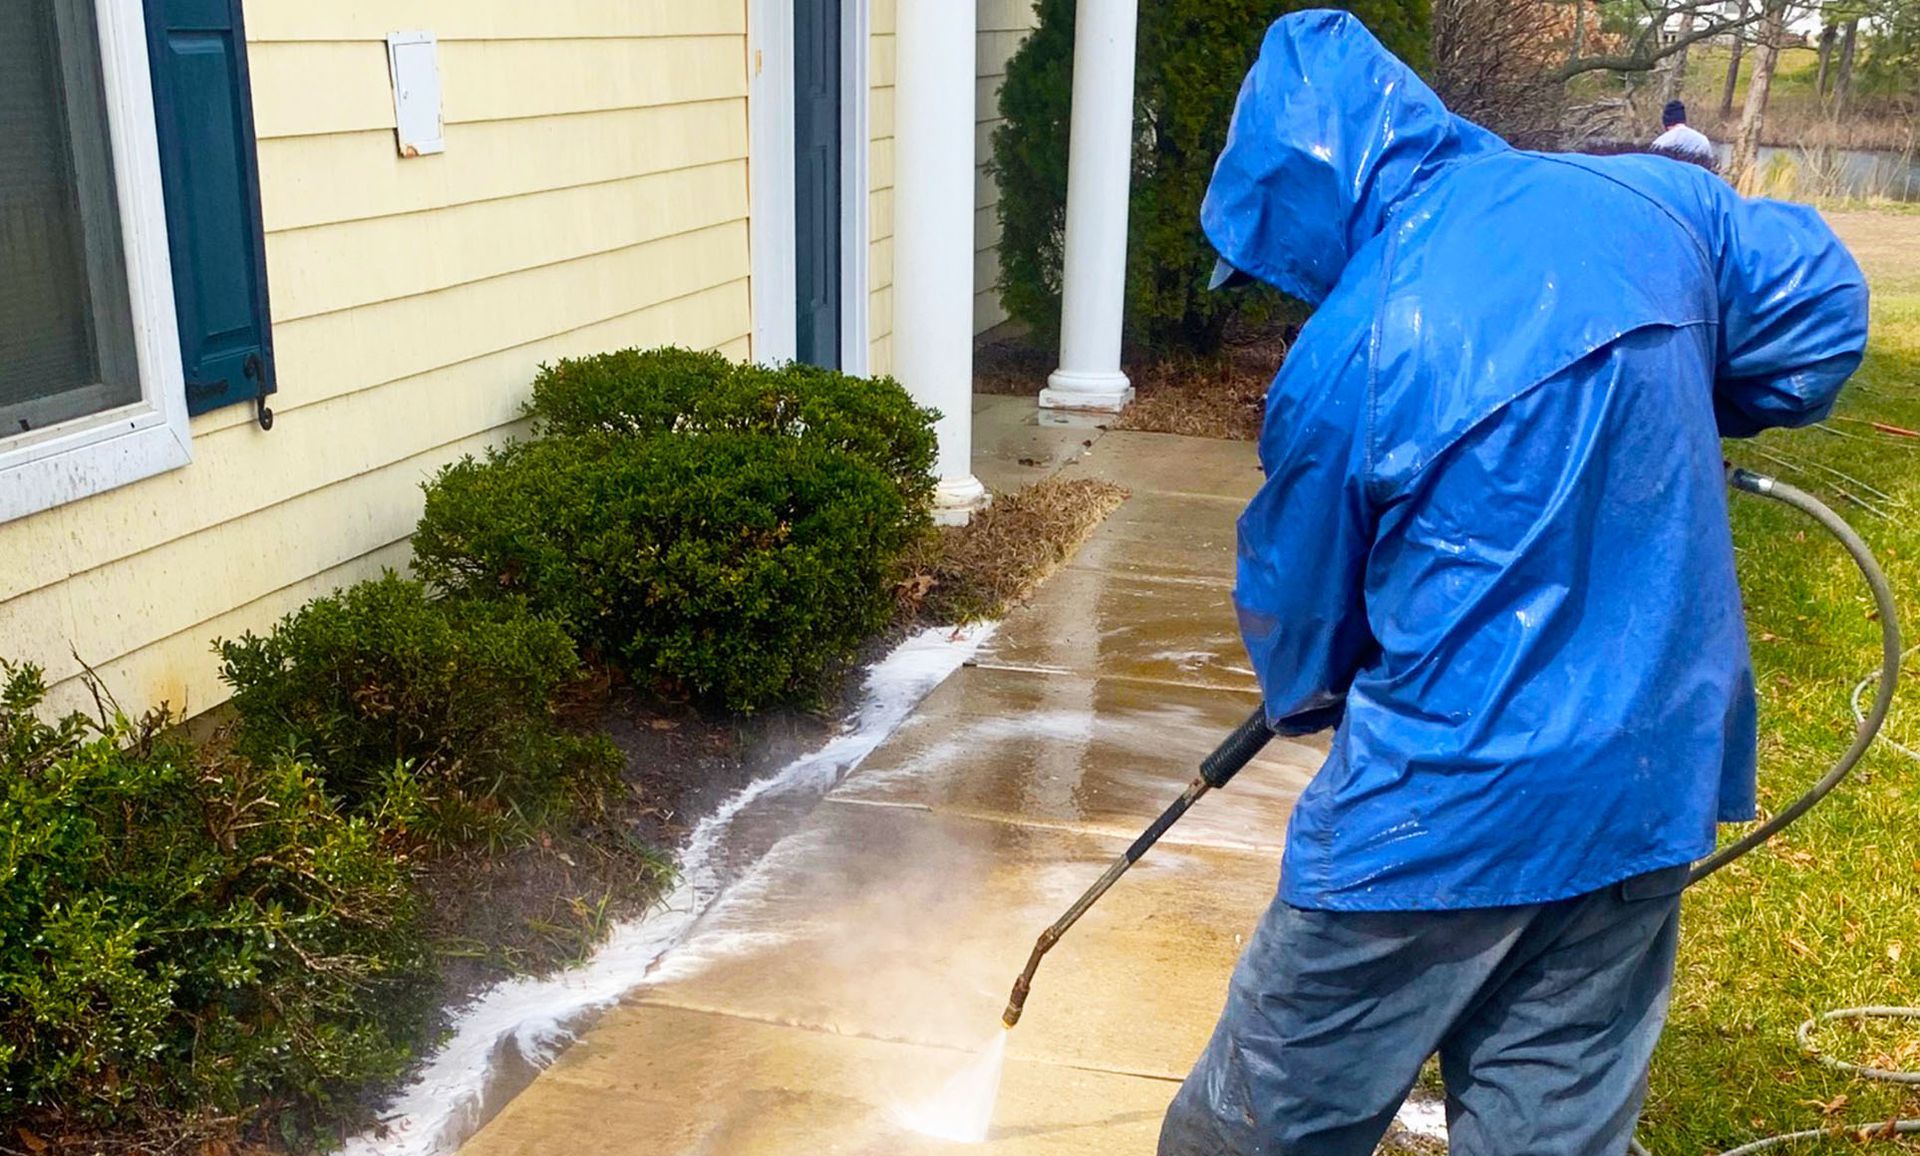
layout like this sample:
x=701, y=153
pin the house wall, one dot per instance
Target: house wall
x=1003, y=25
x=880, y=69
x=593, y=195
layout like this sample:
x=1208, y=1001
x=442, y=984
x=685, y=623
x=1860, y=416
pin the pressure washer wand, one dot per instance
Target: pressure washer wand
x=1216, y=770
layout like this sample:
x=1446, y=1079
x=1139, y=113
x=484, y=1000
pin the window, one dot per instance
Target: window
x=66, y=335
x=132, y=281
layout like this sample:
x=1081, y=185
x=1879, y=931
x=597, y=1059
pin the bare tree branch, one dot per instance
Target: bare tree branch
x=1645, y=57
x=1493, y=63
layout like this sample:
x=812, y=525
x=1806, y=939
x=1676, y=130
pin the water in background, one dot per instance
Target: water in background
x=1828, y=172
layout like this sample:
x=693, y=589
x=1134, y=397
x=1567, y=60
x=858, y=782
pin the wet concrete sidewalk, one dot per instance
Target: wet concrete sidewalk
x=867, y=958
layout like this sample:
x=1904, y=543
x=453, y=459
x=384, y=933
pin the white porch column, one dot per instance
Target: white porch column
x=1099, y=179
x=933, y=232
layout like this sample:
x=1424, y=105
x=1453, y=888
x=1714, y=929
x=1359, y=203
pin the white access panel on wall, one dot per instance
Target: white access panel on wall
x=414, y=60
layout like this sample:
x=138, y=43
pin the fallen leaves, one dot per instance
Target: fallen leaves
x=1795, y=856
x=998, y=558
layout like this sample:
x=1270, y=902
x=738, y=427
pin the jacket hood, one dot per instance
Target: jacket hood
x=1330, y=134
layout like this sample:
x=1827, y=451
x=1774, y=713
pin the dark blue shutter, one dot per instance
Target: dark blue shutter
x=204, y=109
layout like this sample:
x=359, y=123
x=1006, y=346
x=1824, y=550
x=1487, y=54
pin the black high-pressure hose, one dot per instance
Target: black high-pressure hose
x=1869, y=725
x=1253, y=735
x=1867, y=728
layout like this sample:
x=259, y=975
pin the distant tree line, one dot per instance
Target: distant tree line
x=1549, y=74
x=1557, y=73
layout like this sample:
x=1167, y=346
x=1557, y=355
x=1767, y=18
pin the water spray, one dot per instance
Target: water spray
x=1216, y=771
x=1251, y=736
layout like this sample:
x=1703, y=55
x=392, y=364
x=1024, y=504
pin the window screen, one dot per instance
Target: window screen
x=66, y=338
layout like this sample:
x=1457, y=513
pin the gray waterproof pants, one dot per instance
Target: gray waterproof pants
x=1544, y=1018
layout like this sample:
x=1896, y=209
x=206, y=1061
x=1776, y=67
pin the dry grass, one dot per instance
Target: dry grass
x=976, y=571
x=1802, y=125
x=1796, y=115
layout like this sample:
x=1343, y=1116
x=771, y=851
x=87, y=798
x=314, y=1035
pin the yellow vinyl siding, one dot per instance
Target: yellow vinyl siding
x=375, y=259
x=321, y=87
x=322, y=180
x=1003, y=26
x=283, y=21
x=593, y=195
x=880, y=189
x=333, y=353
x=170, y=670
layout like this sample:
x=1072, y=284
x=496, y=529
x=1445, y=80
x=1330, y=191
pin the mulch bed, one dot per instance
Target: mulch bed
x=538, y=908
x=1214, y=397
x=1222, y=396
x=1012, y=366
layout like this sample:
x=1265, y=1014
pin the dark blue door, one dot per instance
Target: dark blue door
x=817, y=192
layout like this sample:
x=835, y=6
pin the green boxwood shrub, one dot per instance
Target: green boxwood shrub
x=1192, y=57
x=736, y=564
x=450, y=703
x=626, y=391
x=656, y=391
x=194, y=933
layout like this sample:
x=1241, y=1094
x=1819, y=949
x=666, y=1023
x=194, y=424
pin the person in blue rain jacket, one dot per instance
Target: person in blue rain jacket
x=1492, y=552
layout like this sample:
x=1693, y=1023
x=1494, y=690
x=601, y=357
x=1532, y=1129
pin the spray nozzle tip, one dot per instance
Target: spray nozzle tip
x=1015, y=1006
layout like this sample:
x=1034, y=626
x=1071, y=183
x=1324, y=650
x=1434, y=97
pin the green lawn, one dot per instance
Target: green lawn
x=1828, y=915
x=1793, y=77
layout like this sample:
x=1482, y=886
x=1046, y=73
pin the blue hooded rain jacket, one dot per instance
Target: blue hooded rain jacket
x=1492, y=547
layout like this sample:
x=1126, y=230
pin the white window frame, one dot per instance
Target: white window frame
x=44, y=468
x=771, y=226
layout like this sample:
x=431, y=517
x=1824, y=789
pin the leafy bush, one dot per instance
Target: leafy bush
x=1192, y=57
x=626, y=391
x=186, y=932
x=731, y=529
x=656, y=391
x=449, y=703
x=737, y=564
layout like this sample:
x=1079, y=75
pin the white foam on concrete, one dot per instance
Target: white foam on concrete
x=972, y=734
x=1424, y=1117
x=532, y=1019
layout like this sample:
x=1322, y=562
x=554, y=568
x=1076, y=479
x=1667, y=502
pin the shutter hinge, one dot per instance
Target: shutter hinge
x=256, y=373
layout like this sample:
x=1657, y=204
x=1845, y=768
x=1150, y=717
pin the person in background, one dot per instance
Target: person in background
x=1681, y=139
